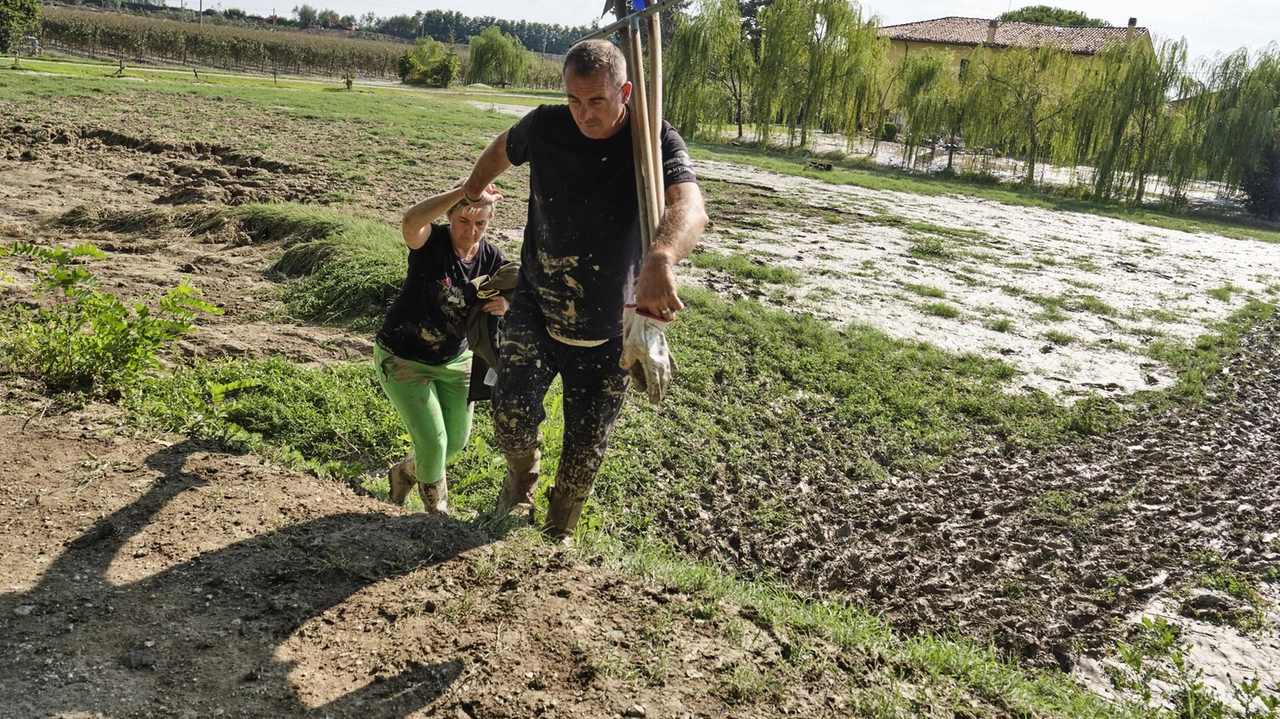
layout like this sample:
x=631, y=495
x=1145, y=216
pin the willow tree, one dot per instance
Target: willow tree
x=16, y=17
x=1123, y=122
x=927, y=96
x=1020, y=97
x=818, y=65
x=709, y=69
x=496, y=58
x=1239, y=107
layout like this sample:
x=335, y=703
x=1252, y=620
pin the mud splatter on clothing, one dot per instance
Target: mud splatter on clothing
x=594, y=389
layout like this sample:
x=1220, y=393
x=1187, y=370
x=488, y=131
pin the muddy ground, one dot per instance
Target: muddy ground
x=158, y=577
x=147, y=577
x=153, y=576
x=1044, y=553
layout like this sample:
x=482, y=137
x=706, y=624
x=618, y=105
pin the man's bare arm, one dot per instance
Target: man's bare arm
x=682, y=224
x=492, y=163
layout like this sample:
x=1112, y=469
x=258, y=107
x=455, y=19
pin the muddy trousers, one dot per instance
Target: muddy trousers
x=594, y=389
x=432, y=403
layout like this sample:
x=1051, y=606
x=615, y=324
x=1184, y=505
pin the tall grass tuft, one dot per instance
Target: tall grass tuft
x=343, y=266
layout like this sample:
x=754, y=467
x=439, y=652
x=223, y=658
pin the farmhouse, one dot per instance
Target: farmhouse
x=960, y=35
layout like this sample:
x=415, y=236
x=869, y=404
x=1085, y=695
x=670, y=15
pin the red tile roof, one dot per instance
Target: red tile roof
x=973, y=31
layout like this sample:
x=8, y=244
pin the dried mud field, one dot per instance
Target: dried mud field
x=157, y=576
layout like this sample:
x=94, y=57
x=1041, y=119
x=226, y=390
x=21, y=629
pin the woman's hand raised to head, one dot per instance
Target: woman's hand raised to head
x=487, y=197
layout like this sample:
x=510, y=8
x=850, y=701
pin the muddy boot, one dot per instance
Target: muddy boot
x=562, y=514
x=521, y=480
x=435, y=497
x=401, y=478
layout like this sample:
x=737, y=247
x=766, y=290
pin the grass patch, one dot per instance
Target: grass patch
x=929, y=247
x=940, y=309
x=1055, y=306
x=924, y=290
x=820, y=294
x=1198, y=362
x=1091, y=304
x=1056, y=337
x=942, y=231
x=338, y=267
x=1224, y=292
x=1159, y=315
x=744, y=267
x=999, y=324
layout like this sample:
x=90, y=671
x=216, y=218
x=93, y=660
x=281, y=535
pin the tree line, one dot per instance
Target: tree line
x=1134, y=117
x=135, y=38
x=452, y=26
x=492, y=57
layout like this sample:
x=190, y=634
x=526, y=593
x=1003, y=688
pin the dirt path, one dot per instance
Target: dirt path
x=140, y=577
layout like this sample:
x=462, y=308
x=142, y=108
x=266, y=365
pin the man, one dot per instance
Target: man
x=581, y=261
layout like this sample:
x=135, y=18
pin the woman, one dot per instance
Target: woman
x=421, y=356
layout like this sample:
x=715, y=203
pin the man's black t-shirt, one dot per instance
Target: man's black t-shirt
x=428, y=321
x=582, y=250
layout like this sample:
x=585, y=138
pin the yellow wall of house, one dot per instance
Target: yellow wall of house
x=899, y=49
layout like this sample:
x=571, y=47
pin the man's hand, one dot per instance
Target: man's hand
x=681, y=226
x=656, y=287
x=496, y=306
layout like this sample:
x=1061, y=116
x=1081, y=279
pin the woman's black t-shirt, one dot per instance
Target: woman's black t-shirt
x=428, y=321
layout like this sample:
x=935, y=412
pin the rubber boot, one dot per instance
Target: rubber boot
x=435, y=497
x=563, y=513
x=521, y=480
x=401, y=479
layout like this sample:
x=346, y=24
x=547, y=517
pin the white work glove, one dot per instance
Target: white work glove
x=645, y=354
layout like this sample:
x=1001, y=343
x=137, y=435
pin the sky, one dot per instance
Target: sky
x=1209, y=27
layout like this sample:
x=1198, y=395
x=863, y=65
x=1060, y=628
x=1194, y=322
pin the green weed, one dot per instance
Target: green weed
x=88, y=340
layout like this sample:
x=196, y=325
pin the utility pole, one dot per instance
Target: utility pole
x=201, y=12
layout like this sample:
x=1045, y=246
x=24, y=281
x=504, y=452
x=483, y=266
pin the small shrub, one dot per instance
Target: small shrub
x=930, y=248
x=889, y=132
x=89, y=340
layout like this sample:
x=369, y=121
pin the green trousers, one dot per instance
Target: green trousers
x=432, y=403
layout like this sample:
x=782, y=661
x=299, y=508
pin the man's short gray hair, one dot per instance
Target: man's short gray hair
x=591, y=56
